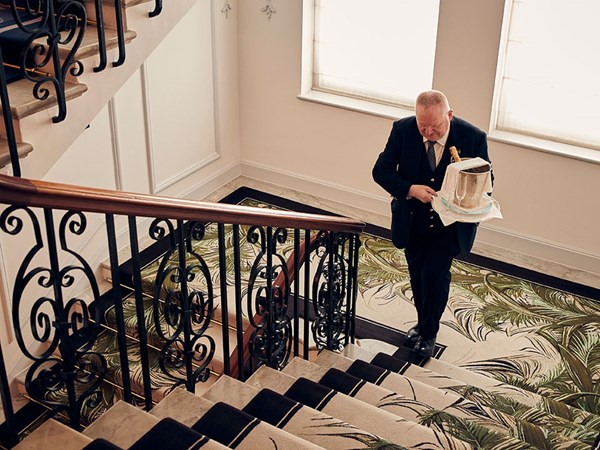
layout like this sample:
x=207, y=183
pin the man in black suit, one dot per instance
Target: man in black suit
x=411, y=168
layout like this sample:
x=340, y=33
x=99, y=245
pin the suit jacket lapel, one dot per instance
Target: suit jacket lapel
x=451, y=141
x=413, y=163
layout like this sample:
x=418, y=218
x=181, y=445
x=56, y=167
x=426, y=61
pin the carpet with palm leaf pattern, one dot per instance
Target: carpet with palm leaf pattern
x=520, y=327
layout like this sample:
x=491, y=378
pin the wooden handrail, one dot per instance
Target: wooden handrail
x=45, y=194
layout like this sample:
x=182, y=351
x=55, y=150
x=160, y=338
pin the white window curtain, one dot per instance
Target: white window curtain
x=379, y=50
x=550, y=79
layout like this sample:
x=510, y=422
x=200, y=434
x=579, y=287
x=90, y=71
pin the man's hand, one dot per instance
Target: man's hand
x=422, y=193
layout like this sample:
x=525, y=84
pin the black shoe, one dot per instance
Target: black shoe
x=412, y=336
x=425, y=347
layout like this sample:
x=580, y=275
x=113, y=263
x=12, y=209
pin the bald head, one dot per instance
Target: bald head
x=433, y=114
x=432, y=98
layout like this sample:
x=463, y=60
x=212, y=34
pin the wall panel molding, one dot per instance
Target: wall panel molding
x=179, y=101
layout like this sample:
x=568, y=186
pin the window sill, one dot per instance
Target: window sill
x=354, y=104
x=543, y=145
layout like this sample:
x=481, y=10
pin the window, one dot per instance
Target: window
x=548, y=81
x=379, y=51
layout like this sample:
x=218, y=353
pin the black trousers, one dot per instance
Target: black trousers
x=429, y=257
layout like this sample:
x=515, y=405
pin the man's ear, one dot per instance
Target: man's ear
x=450, y=114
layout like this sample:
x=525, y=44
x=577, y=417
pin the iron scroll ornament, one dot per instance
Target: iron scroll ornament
x=63, y=328
x=182, y=304
x=332, y=322
x=270, y=342
x=50, y=24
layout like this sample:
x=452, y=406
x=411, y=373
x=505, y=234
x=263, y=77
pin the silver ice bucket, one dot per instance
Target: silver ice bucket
x=470, y=186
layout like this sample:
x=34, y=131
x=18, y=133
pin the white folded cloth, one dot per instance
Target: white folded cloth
x=449, y=212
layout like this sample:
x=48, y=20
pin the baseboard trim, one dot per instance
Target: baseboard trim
x=319, y=188
x=518, y=249
x=214, y=182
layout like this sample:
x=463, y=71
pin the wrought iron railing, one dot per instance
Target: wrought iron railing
x=247, y=261
x=8, y=124
x=46, y=27
x=51, y=33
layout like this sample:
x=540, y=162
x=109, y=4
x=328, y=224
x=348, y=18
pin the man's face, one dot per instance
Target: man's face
x=433, y=121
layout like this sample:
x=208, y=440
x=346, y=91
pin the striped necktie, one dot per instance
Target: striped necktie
x=431, y=154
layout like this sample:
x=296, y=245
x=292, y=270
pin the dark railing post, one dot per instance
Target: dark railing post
x=11, y=437
x=157, y=8
x=139, y=309
x=224, y=297
x=353, y=285
x=101, y=37
x=120, y=33
x=237, y=271
x=296, y=332
x=118, y=305
x=307, y=296
x=8, y=125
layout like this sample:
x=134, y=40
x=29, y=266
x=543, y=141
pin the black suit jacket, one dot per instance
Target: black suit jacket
x=398, y=166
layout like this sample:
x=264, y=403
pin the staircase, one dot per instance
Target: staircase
x=335, y=402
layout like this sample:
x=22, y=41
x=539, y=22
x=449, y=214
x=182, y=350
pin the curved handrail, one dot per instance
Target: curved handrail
x=45, y=194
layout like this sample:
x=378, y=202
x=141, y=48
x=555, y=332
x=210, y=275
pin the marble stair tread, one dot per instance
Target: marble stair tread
x=122, y=425
x=448, y=401
x=127, y=3
x=23, y=149
x=23, y=103
x=354, y=411
x=295, y=418
x=407, y=387
x=61, y=436
x=486, y=397
x=89, y=44
x=216, y=421
x=400, y=405
x=168, y=434
x=452, y=371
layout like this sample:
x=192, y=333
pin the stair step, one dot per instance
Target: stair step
x=55, y=435
x=129, y=427
x=169, y=434
x=446, y=369
x=126, y=3
x=448, y=401
x=485, y=397
x=89, y=44
x=408, y=407
x=356, y=412
x=23, y=103
x=23, y=149
x=288, y=415
x=226, y=424
x=122, y=425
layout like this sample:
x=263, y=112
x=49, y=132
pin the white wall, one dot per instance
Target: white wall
x=548, y=201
